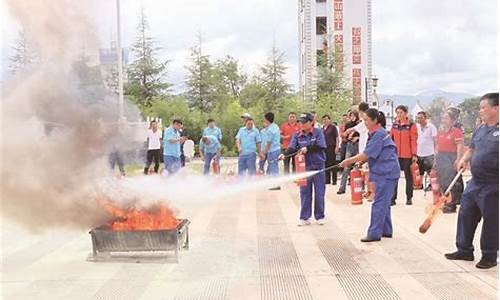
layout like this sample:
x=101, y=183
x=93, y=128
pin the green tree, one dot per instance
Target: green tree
x=200, y=81
x=228, y=76
x=334, y=95
x=436, y=109
x=146, y=73
x=469, y=113
x=252, y=93
x=24, y=55
x=273, y=80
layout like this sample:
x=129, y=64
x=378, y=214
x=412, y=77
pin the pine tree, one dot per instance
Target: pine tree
x=331, y=80
x=200, y=81
x=146, y=73
x=24, y=54
x=228, y=76
x=273, y=80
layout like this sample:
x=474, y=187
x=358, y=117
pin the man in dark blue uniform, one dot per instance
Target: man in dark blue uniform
x=310, y=141
x=480, y=198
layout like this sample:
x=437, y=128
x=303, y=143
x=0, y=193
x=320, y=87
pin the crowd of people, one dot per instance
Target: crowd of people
x=361, y=136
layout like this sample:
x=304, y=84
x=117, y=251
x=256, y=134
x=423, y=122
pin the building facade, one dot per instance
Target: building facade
x=338, y=27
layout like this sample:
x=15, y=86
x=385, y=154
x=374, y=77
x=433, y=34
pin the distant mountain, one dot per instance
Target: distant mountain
x=426, y=97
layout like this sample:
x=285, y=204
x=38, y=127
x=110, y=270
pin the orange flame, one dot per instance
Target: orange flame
x=156, y=217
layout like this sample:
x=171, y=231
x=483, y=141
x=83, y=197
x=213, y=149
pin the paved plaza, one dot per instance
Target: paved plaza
x=249, y=247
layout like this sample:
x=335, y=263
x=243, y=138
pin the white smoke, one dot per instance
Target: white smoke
x=55, y=135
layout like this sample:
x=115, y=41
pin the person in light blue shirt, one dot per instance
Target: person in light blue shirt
x=212, y=129
x=172, y=141
x=209, y=150
x=248, y=142
x=271, y=147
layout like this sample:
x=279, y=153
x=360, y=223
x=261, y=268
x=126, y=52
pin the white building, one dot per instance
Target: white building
x=343, y=26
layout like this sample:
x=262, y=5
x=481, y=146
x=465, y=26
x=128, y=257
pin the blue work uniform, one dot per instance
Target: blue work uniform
x=213, y=131
x=480, y=197
x=249, y=138
x=210, y=151
x=271, y=135
x=384, y=173
x=171, y=151
x=315, y=160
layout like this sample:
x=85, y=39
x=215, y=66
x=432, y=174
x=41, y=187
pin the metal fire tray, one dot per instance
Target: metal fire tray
x=105, y=241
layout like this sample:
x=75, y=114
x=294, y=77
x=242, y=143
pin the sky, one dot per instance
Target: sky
x=418, y=45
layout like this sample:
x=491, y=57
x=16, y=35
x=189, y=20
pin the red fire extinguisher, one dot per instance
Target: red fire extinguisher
x=436, y=188
x=356, y=186
x=300, y=167
x=215, y=167
x=417, y=178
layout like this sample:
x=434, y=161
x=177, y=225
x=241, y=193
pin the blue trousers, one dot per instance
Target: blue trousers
x=247, y=162
x=273, y=168
x=479, y=200
x=208, y=160
x=262, y=163
x=380, y=221
x=306, y=197
x=172, y=163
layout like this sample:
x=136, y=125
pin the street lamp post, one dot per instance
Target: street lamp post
x=374, y=84
x=120, y=61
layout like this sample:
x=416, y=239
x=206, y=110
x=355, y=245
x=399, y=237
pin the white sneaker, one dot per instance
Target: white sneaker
x=303, y=223
x=320, y=221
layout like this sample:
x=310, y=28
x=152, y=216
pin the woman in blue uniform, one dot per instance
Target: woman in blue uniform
x=382, y=157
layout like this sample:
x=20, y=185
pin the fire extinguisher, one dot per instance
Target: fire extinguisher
x=356, y=186
x=417, y=178
x=215, y=166
x=436, y=188
x=300, y=167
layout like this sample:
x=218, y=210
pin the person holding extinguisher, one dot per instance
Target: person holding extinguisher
x=381, y=155
x=310, y=142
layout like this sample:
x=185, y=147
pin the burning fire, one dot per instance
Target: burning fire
x=156, y=217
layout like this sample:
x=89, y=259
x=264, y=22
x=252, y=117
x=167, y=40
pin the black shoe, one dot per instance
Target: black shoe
x=387, y=236
x=335, y=183
x=327, y=182
x=275, y=188
x=449, y=210
x=486, y=263
x=339, y=192
x=368, y=240
x=459, y=256
x=409, y=202
x=393, y=202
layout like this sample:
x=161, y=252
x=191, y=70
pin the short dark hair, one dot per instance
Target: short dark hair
x=423, y=113
x=292, y=113
x=355, y=113
x=376, y=115
x=403, y=108
x=335, y=123
x=269, y=116
x=363, y=106
x=326, y=116
x=152, y=121
x=177, y=121
x=344, y=115
x=492, y=98
x=313, y=112
x=210, y=120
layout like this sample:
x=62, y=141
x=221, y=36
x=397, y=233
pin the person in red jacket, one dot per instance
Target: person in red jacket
x=404, y=135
